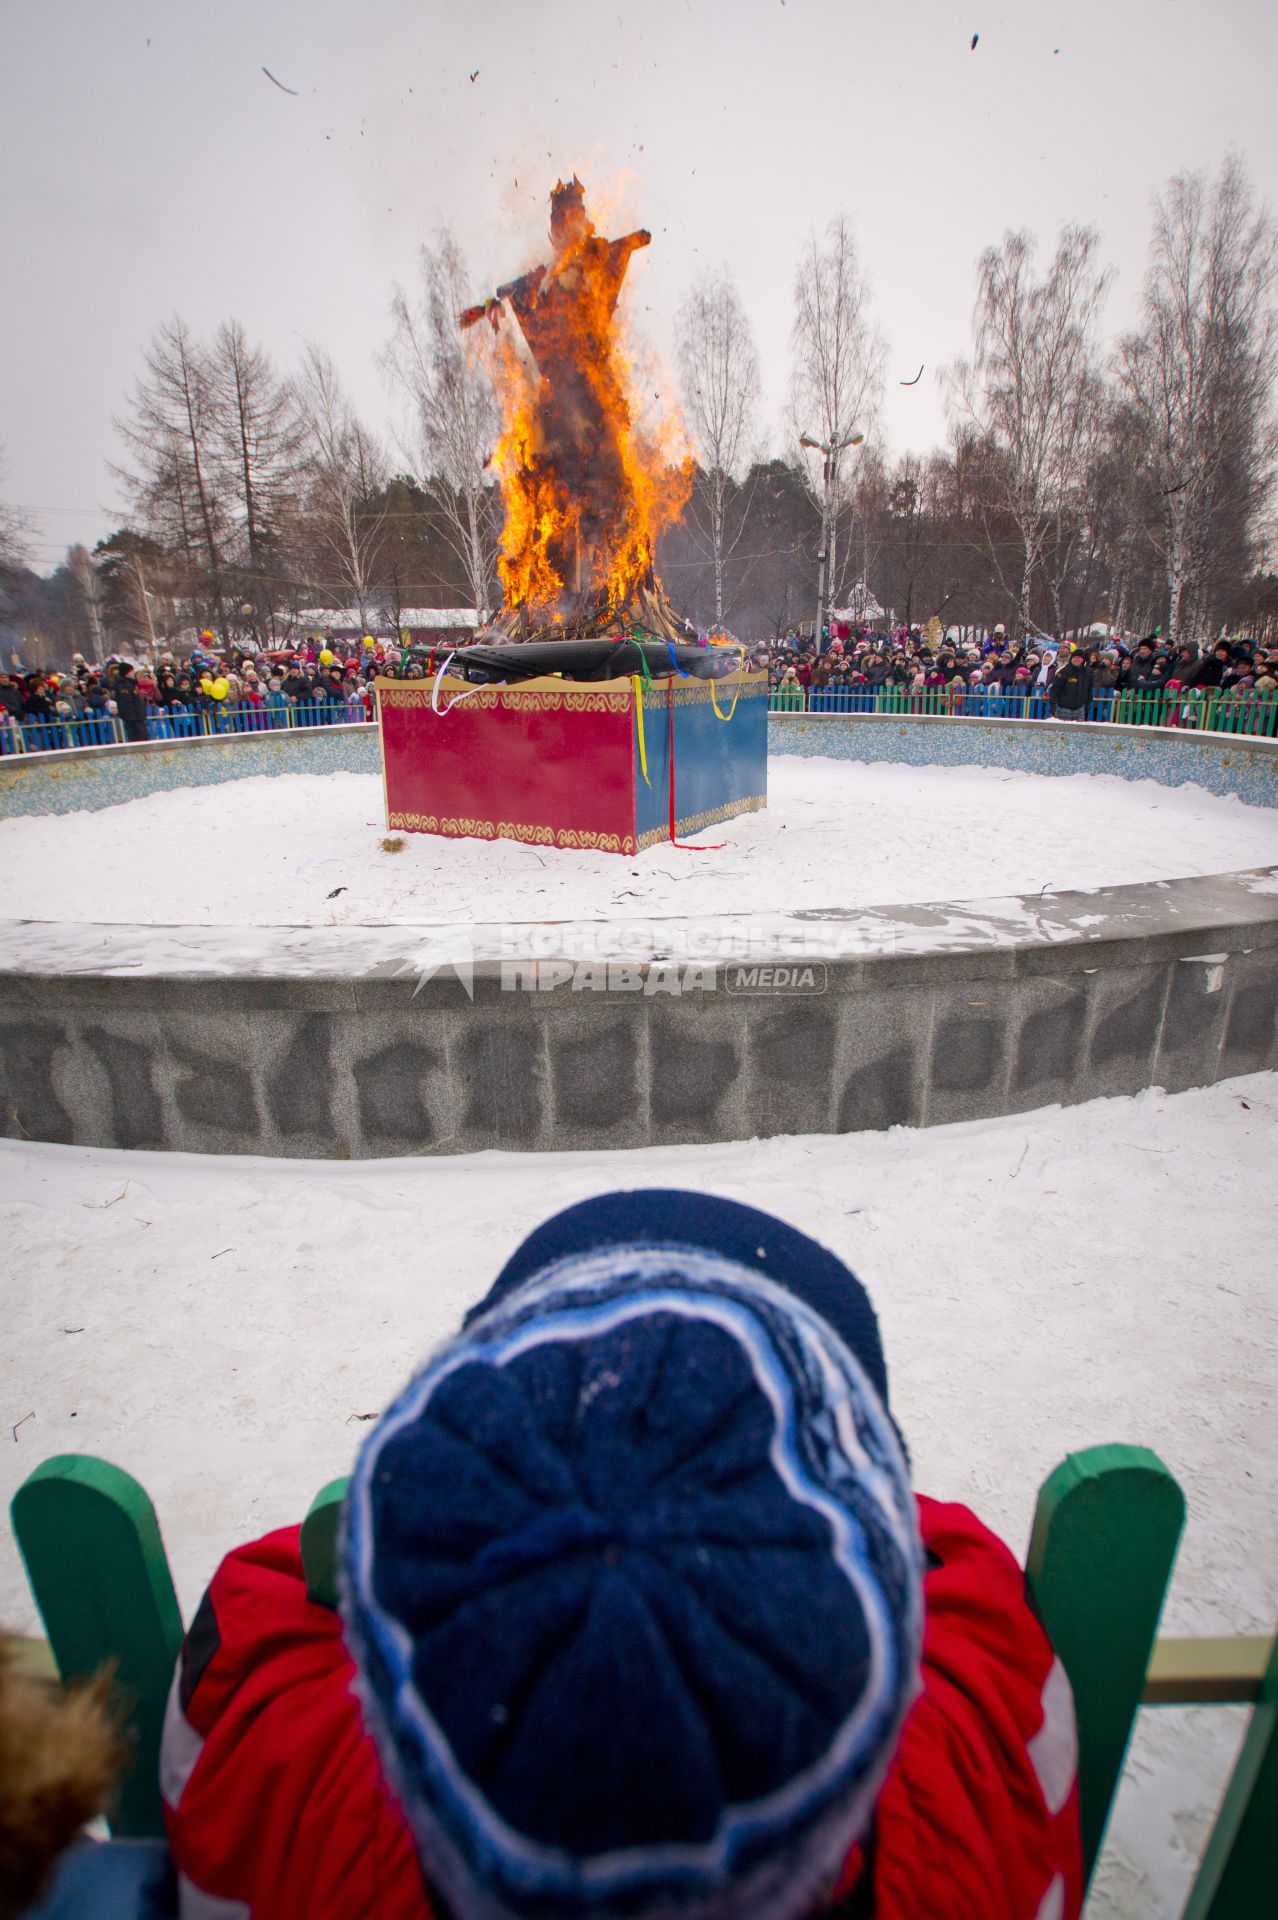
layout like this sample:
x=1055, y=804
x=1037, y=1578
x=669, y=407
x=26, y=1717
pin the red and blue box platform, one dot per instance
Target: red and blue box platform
x=613, y=765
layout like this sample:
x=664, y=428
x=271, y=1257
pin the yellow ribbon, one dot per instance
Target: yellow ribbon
x=643, y=751
x=715, y=704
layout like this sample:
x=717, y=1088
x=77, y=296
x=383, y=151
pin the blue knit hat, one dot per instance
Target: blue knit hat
x=632, y=1576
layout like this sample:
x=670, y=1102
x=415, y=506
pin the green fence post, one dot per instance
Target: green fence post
x=88, y=1534
x=1238, y=1878
x=320, y=1531
x=1106, y=1529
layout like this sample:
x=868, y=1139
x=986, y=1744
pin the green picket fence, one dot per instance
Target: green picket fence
x=1210, y=712
x=1102, y=1548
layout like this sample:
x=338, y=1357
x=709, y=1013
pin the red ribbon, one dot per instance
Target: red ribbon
x=682, y=845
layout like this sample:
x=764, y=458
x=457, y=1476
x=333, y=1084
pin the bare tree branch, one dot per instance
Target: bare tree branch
x=1199, y=376
x=442, y=373
x=346, y=479
x=1033, y=393
x=719, y=378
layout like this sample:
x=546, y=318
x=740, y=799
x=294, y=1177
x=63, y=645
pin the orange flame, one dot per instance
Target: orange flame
x=586, y=487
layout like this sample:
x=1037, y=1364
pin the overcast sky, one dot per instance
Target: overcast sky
x=151, y=167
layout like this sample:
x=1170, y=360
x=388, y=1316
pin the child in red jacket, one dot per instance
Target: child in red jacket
x=640, y=1618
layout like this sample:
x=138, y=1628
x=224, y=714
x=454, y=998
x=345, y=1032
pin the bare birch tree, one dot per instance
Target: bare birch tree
x=1199, y=376
x=837, y=377
x=442, y=373
x=172, y=432
x=257, y=437
x=719, y=379
x=1033, y=393
x=82, y=570
x=346, y=480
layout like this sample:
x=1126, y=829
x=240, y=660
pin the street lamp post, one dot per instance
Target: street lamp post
x=830, y=450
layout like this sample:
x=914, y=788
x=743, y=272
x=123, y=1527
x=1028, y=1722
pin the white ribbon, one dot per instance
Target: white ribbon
x=434, y=697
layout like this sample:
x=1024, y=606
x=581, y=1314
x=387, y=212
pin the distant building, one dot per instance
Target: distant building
x=426, y=626
x=861, y=606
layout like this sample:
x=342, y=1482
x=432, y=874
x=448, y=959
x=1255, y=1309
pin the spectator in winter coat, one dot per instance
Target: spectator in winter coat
x=640, y=1617
x=1071, y=688
x=789, y=692
x=36, y=704
x=1140, y=670
x=1208, y=672
x=130, y=705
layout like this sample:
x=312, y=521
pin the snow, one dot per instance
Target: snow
x=275, y=851
x=347, y=619
x=223, y=1328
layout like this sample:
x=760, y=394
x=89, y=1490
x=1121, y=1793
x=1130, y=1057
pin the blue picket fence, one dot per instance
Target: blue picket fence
x=1212, y=712
x=177, y=723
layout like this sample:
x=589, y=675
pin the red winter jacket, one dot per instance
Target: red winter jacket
x=277, y=1807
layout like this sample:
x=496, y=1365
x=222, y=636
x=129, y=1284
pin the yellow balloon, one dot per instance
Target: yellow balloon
x=206, y=684
x=220, y=688
x=326, y=658
x=369, y=640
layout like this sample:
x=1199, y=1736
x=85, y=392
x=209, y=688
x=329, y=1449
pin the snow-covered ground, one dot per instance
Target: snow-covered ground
x=305, y=850
x=224, y=1329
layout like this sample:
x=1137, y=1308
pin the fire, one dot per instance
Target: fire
x=586, y=489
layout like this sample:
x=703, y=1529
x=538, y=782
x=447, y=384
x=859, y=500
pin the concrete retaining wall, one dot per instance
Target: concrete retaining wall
x=918, y=1017
x=350, y=1042
x=92, y=777
x=1221, y=762
x=83, y=779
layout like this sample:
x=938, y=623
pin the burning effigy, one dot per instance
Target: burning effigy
x=586, y=490
x=503, y=741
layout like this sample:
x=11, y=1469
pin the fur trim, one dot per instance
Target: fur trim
x=61, y=1752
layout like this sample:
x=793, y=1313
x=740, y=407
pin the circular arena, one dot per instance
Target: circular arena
x=934, y=920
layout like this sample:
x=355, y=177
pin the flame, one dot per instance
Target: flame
x=588, y=481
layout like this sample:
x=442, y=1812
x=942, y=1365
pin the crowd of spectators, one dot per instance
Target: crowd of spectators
x=207, y=688
x=1063, y=677
x=198, y=689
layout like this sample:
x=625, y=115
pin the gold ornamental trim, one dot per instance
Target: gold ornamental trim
x=698, y=822
x=597, y=842
x=397, y=694
x=533, y=696
x=461, y=827
x=570, y=700
x=549, y=694
x=744, y=686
